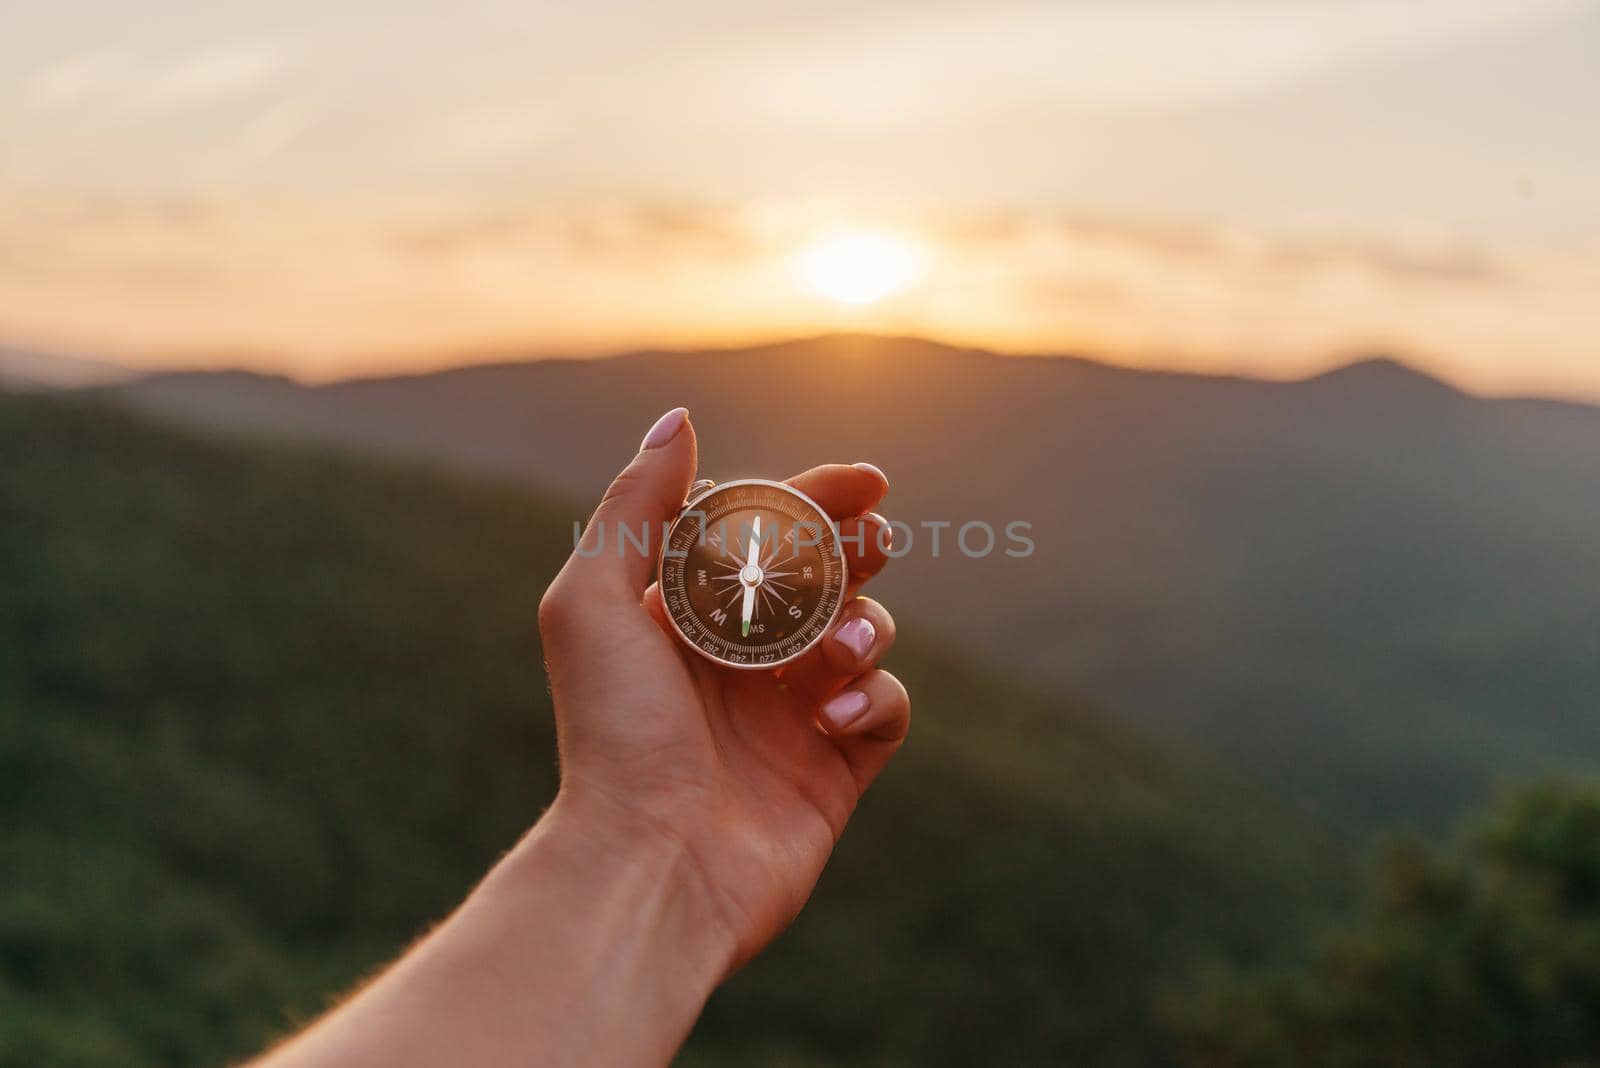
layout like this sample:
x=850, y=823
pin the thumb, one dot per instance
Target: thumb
x=620, y=544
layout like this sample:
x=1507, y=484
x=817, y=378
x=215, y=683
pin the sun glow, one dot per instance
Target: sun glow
x=857, y=268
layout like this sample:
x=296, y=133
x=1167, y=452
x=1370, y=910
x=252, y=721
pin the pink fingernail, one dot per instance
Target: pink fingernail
x=665, y=430
x=857, y=636
x=872, y=469
x=846, y=708
x=885, y=536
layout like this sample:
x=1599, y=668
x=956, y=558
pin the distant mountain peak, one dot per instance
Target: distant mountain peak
x=1384, y=373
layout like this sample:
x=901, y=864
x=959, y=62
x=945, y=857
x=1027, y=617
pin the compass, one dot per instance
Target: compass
x=751, y=572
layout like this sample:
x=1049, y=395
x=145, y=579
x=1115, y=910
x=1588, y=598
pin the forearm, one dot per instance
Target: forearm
x=580, y=947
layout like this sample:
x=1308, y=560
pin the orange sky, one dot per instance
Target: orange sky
x=1237, y=186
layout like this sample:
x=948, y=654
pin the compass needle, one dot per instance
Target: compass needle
x=750, y=577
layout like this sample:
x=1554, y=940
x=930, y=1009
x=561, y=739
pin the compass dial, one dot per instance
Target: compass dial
x=752, y=574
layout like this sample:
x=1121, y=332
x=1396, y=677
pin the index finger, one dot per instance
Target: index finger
x=842, y=490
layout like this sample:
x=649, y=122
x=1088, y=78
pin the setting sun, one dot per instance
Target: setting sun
x=857, y=268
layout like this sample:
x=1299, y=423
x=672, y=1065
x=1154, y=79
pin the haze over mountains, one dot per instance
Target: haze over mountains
x=1375, y=592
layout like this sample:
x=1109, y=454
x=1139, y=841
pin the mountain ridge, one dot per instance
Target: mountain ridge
x=1388, y=370
x=1367, y=588
x=1359, y=366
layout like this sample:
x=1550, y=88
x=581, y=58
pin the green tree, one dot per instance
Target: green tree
x=1485, y=952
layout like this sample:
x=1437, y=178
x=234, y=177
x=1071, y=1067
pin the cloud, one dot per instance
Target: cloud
x=1168, y=239
x=216, y=73
x=1449, y=262
x=953, y=60
x=75, y=78
x=493, y=131
x=1176, y=244
x=629, y=231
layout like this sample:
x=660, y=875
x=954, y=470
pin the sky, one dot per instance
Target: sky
x=1254, y=187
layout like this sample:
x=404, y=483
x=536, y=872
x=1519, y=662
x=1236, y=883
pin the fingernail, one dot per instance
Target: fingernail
x=846, y=708
x=885, y=536
x=872, y=469
x=665, y=430
x=857, y=636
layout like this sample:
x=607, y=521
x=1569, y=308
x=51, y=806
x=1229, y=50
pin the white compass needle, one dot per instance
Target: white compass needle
x=753, y=553
x=754, y=548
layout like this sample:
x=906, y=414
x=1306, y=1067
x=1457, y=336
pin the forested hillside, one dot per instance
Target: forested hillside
x=266, y=712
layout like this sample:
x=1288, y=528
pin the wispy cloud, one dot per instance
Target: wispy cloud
x=1395, y=259
x=1449, y=262
x=948, y=60
x=75, y=78
x=218, y=72
x=629, y=231
x=114, y=77
x=1200, y=105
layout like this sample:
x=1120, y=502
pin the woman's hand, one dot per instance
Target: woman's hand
x=697, y=807
x=750, y=775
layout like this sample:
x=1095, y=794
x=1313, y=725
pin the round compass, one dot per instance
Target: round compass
x=752, y=573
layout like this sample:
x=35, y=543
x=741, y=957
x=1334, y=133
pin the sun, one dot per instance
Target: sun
x=857, y=268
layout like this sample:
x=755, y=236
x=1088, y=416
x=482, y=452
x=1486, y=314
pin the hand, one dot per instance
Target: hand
x=728, y=768
x=697, y=807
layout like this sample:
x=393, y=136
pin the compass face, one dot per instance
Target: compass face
x=752, y=574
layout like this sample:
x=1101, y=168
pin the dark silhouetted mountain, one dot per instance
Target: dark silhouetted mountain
x=1373, y=590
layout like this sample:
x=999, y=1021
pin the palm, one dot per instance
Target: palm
x=733, y=765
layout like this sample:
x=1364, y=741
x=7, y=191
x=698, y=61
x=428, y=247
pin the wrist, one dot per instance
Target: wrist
x=637, y=876
x=591, y=943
